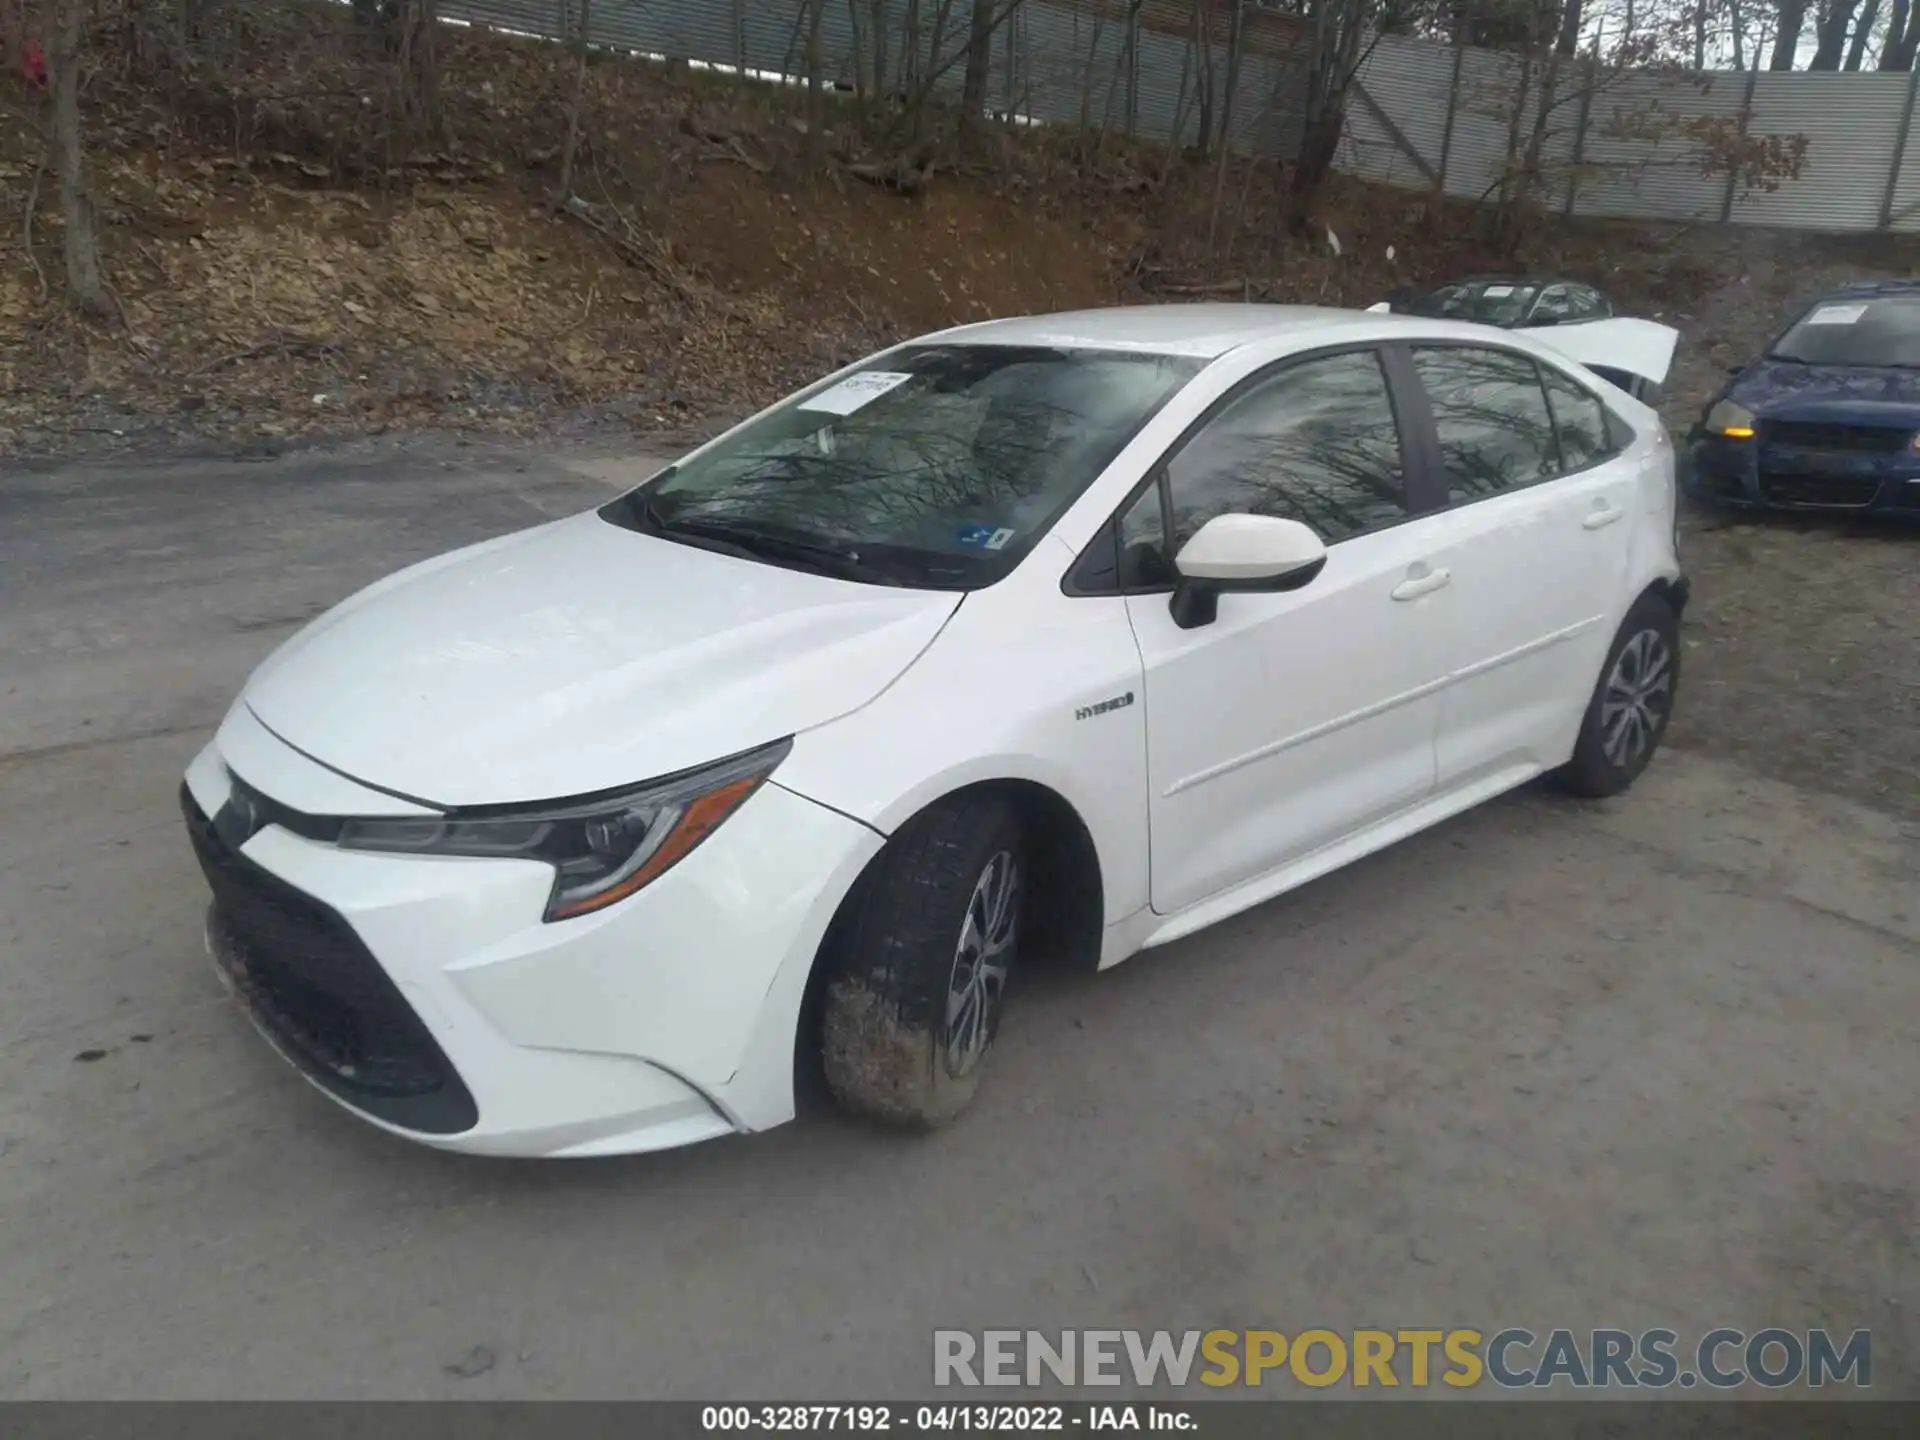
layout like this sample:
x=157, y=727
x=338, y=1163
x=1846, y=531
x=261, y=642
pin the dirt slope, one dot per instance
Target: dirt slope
x=285, y=266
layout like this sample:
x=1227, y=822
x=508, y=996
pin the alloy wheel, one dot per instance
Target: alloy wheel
x=980, y=961
x=1638, y=694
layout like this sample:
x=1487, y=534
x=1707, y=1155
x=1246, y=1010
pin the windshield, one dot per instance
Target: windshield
x=1485, y=302
x=935, y=467
x=1884, y=331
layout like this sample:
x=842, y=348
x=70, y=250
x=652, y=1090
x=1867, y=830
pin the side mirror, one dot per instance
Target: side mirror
x=1242, y=552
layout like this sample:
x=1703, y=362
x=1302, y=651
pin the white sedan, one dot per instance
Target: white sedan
x=1065, y=635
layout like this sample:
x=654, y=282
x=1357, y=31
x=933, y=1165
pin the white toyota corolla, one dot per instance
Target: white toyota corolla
x=1070, y=634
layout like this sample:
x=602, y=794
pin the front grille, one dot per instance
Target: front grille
x=316, y=989
x=1839, y=492
x=1822, y=435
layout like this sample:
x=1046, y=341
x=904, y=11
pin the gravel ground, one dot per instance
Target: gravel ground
x=1647, y=1062
x=1804, y=637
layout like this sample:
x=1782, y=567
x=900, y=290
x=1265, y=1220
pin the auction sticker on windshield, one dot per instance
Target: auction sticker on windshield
x=855, y=391
x=1836, y=315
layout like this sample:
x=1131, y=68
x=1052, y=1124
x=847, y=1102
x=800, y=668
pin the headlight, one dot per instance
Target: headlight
x=602, y=848
x=1731, y=420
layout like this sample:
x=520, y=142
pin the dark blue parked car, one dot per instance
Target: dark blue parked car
x=1828, y=418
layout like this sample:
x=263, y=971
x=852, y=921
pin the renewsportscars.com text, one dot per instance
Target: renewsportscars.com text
x=1721, y=1359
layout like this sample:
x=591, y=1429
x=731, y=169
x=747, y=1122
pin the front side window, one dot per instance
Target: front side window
x=1143, y=544
x=1580, y=421
x=1491, y=416
x=1316, y=442
x=1557, y=305
x=1873, y=332
x=1589, y=304
x=936, y=467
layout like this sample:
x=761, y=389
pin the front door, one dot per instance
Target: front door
x=1292, y=719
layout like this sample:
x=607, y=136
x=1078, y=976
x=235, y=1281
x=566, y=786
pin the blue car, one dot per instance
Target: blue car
x=1828, y=418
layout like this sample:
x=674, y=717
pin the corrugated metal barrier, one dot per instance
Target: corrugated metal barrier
x=1126, y=66
x=1429, y=110
x=1619, y=144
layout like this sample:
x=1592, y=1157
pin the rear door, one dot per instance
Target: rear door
x=1535, y=536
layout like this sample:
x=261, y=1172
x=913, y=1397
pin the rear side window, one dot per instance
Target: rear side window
x=1490, y=413
x=1580, y=421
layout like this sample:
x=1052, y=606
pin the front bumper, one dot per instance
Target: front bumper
x=1752, y=474
x=427, y=995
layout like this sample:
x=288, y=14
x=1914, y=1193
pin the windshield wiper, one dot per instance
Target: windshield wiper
x=751, y=542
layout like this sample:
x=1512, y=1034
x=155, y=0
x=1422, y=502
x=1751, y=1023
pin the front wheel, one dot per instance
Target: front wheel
x=916, y=985
x=1630, y=708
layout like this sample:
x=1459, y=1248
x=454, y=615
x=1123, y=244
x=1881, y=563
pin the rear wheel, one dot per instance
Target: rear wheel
x=1628, y=714
x=916, y=983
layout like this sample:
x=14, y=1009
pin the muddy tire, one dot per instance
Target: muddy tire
x=1631, y=704
x=916, y=980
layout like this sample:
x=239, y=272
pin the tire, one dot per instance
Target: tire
x=916, y=982
x=1642, y=674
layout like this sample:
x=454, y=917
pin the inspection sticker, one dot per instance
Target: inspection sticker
x=1836, y=315
x=855, y=391
x=983, y=537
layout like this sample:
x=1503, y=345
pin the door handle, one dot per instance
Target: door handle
x=1414, y=588
x=1601, y=516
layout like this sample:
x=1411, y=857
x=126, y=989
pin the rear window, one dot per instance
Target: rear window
x=1883, y=332
x=1485, y=302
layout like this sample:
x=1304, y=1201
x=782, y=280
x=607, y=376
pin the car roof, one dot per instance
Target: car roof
x=1203, y=331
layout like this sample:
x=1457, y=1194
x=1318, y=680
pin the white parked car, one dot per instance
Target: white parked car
x=1070, y=634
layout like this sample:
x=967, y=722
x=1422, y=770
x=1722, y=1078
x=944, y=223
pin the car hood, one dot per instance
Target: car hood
x=1829, y=392
x=578, y=657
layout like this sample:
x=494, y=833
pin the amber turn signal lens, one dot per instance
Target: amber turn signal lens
x=699, y=820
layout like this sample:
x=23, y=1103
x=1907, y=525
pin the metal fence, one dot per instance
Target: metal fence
x=1437, y=116
x=1129, y=68
x=1424, y=114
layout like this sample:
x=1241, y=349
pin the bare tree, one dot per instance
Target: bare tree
x=579, y=95
x=86, y=287
x=1830, y=26
x=1339, y=31
x=1862, y=32
x=973, y=87
x=1786, y=40
x=1200, y=37
x=1903, y=37
x=1570, y=27
x=816, y=121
